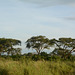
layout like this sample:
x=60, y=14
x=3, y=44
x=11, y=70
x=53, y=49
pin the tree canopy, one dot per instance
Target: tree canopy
x=7, y=45
x=38, y=43
x=63, y=46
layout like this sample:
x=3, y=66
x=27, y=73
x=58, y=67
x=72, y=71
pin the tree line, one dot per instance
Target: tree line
x=62, y=46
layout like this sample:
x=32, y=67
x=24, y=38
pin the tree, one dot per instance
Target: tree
x=7, y=45
x=64, y=46
x=38, y=43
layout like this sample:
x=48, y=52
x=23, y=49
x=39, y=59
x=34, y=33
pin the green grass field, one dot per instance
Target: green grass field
x=40, y=67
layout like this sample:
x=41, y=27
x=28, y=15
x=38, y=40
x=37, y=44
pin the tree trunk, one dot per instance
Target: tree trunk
x=0, y=53
x=69, y=53
x=39, y=52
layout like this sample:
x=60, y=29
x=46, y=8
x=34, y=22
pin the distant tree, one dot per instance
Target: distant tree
x=69, y=44
x=7, y=45
x=64, y=46
x=38, y=43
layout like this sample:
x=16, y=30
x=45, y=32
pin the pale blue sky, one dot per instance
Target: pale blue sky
x=22, y=19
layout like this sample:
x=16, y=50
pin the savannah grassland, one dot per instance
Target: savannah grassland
x=25, y=66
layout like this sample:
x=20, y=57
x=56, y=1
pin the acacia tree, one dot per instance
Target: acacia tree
x=38, y=43
x=7, y=45
x=64, y=46
x=70, y=45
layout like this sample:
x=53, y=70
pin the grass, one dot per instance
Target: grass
x=40, y=67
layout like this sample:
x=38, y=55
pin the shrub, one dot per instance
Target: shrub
x=44, y=54
x=36, y=57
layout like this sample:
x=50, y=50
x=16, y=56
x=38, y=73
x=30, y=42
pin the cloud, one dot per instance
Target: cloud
x=70, y=18
x=51, y=2
x=53, y=21
x=72, y=4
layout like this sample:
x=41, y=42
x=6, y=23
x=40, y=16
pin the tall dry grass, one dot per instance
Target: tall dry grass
x=41, y=67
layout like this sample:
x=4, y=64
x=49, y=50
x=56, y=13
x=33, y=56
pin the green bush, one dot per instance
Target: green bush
x=44, y=54
x=36, y=57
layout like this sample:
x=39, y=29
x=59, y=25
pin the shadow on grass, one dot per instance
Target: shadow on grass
x=26, y=72
x=3, y=72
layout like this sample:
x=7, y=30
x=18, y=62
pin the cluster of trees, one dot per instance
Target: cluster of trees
x=9, y=46
x=62, y=46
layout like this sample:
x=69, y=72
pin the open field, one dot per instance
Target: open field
x=40, y=67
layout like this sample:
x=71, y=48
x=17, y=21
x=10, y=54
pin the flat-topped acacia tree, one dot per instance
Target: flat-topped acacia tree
x=64, y=46
x=7, y=45
x=38, y=43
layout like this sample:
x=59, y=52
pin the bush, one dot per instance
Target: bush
x=29, y=54
x=44, y=54
x=36, y=57
x=16, y=57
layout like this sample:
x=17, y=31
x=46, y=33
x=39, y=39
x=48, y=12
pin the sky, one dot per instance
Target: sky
x=22, y=19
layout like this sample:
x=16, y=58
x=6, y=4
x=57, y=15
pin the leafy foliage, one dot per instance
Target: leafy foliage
x=64, y=46
x=38, y=43
x=7, y=45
